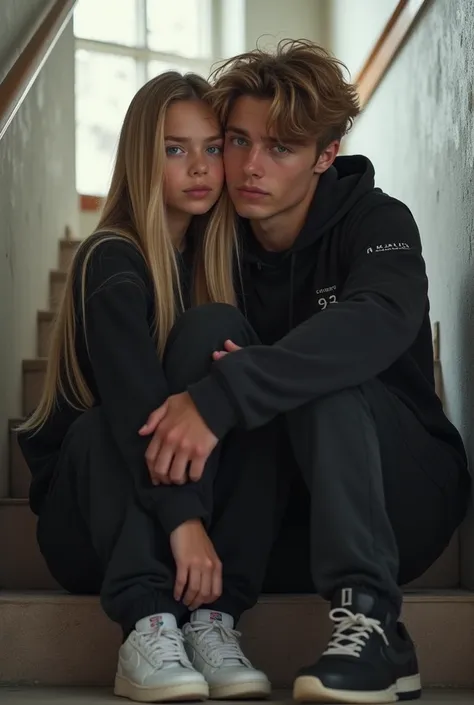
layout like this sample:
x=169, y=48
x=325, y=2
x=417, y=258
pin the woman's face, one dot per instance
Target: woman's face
x=194, y=170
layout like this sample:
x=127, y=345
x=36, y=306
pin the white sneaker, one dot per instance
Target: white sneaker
x=153, y=666
x=214, y=650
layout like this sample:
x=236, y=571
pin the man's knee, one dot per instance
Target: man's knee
x=196, y=335
x=336, y=402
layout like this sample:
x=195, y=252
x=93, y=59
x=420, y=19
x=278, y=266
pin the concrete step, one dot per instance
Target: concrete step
x=57, y=280
x=18, y=695
x=20, y=475
x=67, y=250
x=45, y=321
x=22, y=566
x=57, y=639
x=34, y=372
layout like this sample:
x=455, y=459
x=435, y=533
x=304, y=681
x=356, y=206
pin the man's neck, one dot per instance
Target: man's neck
x=278, y=233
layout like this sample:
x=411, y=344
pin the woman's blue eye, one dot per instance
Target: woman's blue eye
x=173, y=151
x=214, y=150
x=281, y=149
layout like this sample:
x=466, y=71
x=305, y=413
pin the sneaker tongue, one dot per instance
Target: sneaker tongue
x=354, y=600
x=212, y=616
x=155, y=621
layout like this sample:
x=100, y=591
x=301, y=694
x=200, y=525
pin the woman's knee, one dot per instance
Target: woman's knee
x=198, y=333
x=206, y=324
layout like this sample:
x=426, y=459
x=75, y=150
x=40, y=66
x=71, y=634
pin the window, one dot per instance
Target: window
x=119, y=50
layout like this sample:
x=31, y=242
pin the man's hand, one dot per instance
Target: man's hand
x=180, y=437
x=198, y=568
x=229, y=347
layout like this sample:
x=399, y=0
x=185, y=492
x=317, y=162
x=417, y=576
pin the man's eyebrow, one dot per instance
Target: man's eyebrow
x=237, y=130
x=176, y=138
x=268, y=138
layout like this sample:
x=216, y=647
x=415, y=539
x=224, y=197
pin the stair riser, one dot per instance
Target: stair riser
x=22, y=567
x=33, y=382
x=19, y=473
x=56, y=289
x=67, y=250
x=73, y=643
x=44, y=333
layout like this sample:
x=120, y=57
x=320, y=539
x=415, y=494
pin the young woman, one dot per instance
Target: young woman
x=149, y=298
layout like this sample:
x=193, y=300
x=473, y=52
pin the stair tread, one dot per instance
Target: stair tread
x=37, y=695
x=46, y=315
x=58, y=274
x=35, y=363
x=56, y=596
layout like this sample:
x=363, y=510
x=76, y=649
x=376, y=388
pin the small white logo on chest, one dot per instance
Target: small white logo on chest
x=326, y=297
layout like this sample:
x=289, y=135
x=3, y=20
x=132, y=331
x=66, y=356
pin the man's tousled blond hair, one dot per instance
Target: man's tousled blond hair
x=311, y=98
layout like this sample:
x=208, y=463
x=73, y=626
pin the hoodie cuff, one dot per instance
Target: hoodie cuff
x=214, y=405
x=179, y=507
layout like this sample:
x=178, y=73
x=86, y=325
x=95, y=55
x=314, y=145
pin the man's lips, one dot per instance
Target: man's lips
x=252, y=192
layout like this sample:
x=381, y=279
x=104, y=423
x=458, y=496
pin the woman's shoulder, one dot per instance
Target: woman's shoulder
x=106, y=254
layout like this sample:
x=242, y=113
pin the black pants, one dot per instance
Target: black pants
x=384, y=496
x=95, y=536
x=384, y=499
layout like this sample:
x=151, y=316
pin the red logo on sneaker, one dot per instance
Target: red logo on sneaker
x=156, y=621
x=215, y=617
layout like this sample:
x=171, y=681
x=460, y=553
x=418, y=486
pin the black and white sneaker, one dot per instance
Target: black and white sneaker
x=370, y=657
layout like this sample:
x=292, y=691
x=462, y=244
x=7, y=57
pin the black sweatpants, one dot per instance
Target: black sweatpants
x=95, y=536
x=384, y=499
x=384, y=496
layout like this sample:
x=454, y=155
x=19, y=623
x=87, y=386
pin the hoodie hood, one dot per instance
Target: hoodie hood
x=339, y=189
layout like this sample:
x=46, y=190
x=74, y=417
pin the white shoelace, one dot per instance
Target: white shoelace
x=221, y=642
x=351, y=632
x=163, y=646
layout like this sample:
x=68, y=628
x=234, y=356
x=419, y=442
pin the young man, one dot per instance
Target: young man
x=334, y=286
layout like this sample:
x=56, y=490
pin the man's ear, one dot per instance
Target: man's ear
x=327, y=157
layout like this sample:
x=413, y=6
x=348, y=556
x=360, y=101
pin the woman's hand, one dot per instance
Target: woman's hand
x=180, y=438
x=198, y=568
x=229, y=347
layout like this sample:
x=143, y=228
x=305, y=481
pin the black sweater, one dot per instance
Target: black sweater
x=347, y=303
x=122, y=369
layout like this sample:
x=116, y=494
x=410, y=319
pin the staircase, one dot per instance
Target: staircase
x=50, y=638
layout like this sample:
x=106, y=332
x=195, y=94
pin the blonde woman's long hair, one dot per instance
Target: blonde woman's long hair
x=134, y=210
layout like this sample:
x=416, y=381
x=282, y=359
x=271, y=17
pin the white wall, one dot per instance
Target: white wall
x=419, y=131
x=271, y=20
x=37, y=200
x=354, y=26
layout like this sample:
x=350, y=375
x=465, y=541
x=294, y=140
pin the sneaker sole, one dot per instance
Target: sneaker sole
x=167, y=693
x=241, y=691
x=307, y=689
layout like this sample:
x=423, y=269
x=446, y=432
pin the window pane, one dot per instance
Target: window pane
x=101, y=20
x=180, y=27
x=157, y=67
x=105, y=85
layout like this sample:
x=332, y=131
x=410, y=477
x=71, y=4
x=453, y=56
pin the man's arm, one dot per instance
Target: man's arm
x=377, y=318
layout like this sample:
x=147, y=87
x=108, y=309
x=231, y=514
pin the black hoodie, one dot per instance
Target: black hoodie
x=347, y=303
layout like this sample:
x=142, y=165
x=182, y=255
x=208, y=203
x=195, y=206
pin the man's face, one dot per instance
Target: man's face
x=265, y=177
